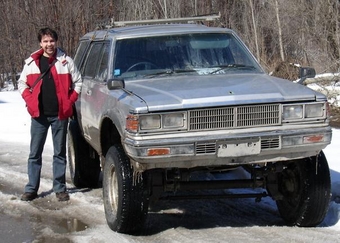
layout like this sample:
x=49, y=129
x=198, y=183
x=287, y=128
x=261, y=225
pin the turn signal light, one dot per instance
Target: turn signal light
x=158, y=151
x=313, y=139
x=132, y=123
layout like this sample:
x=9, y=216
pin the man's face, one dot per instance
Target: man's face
x=48, y=44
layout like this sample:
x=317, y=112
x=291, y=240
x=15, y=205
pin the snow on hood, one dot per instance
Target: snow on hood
x=185, y=92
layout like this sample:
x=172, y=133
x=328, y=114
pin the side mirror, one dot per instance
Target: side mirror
x=113, y=84
x=306, y=72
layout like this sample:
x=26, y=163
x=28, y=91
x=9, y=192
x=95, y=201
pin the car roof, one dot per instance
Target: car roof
x=152, y=30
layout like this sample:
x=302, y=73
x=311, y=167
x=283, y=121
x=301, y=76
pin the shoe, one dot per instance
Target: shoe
x=62, y=196
x=29, y=196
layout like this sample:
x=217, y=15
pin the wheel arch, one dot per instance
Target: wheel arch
x=109, y=135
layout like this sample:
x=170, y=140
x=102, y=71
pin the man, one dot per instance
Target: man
x=50, y=84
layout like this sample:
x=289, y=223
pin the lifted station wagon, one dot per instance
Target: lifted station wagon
x=162, y=101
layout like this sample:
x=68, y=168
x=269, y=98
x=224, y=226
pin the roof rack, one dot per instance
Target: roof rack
x=164, y=21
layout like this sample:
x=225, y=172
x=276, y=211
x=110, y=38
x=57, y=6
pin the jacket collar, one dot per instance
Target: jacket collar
x=60, y=55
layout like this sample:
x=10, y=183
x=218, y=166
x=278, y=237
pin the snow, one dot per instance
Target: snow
x=326, y=83
x=82, y=219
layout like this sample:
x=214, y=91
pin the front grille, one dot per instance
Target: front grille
x=234, y=117
x=211, y=119
x=258, y=115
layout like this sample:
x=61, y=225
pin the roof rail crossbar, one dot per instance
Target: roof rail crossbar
x=163, y=21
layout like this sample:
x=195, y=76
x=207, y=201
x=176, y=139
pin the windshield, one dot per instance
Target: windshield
x=189, y=54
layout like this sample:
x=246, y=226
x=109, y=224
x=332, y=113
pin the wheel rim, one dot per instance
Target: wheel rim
x=291, y=187
x=113, y=189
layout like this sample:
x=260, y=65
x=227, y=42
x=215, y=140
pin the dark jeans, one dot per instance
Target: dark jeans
x=39, y=129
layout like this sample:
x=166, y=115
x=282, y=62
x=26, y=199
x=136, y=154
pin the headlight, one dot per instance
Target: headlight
x=315, y=110
x=150, y=122
x=174, y=120
x=304, y=111
x=292, y=112
x=156, y=122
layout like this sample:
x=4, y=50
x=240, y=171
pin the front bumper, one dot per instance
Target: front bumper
x=232, y=147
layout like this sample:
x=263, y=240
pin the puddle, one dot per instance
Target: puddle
x=28, y=227
x=58, y=225
x=69, y=226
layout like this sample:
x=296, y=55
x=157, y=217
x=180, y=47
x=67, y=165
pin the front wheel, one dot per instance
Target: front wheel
x=306, y=189
x=125, y=199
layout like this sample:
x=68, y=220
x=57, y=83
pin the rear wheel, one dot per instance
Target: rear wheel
x=125, y=198
x=306, y=189
x=84, y=169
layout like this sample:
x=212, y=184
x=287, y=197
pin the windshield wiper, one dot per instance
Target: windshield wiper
x=231, y=66
x=169, y=72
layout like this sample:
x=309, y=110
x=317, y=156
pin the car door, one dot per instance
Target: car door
x=94, y=90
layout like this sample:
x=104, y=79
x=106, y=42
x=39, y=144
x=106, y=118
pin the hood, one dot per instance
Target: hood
x=187, y=92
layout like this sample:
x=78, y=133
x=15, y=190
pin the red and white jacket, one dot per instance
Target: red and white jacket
x=66, y=77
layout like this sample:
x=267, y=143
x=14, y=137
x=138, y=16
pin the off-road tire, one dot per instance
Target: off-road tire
x=306, y=187
x=125, y=198
x=84, y=170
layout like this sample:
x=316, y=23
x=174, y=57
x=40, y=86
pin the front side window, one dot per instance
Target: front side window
x=96, y=64
x=102, y=72
x=80, y=53
x=201, y=54
x=92, y=60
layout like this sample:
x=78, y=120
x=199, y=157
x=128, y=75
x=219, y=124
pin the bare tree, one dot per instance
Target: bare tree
x=279, y=29
x=255, y=28
x=303, y=31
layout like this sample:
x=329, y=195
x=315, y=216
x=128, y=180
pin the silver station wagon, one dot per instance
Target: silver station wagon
x=166, y=105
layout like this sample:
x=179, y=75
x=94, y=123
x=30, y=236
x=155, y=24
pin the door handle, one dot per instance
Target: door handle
x=88, y=92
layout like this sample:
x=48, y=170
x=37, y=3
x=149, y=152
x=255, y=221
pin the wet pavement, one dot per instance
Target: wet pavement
x=28, y=228
x=15, y=229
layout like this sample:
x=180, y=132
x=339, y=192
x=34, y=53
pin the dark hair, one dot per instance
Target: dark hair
x=47, y=31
